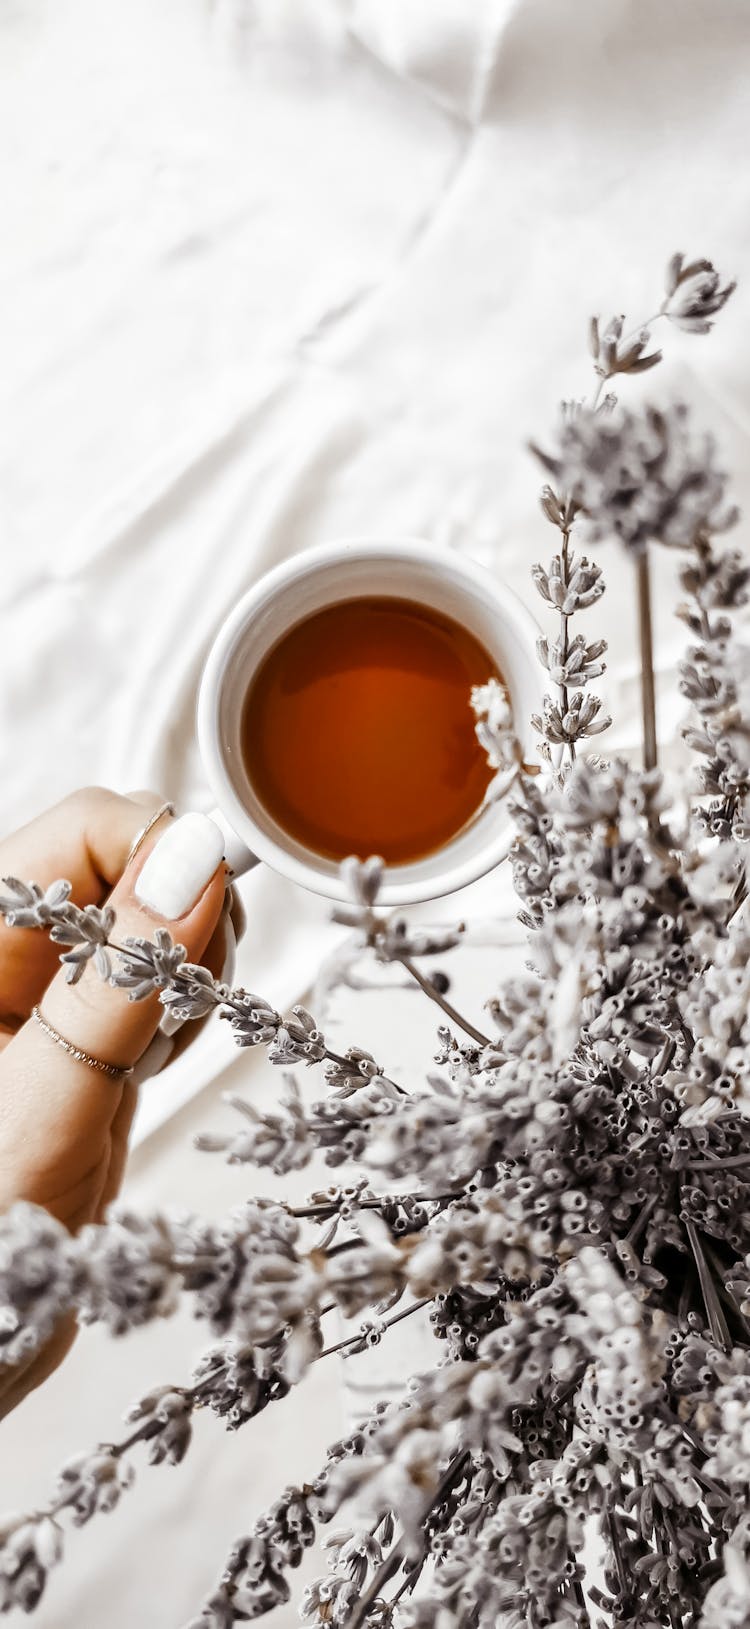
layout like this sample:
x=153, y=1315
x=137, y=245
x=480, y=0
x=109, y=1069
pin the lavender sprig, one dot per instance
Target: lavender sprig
x=638, y=478
x=713, y=678
x=568, y=1194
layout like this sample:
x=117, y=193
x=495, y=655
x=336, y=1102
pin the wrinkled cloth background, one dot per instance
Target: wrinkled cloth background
x=275, y=273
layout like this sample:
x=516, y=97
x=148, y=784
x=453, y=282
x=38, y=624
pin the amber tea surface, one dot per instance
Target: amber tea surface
x=357, y=733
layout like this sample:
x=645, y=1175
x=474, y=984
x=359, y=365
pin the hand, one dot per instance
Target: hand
x=63, y=1125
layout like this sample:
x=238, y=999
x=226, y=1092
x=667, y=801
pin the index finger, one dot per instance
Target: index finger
x=86, y=838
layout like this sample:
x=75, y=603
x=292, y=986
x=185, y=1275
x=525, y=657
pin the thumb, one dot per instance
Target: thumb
x=56, y=1111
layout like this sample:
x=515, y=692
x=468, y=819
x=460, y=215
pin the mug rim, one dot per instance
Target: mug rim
x=458, y=873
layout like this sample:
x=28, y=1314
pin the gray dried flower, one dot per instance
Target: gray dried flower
x=130, y=1273
x=281, y=1141
x=236, y=1380
x=362, y=880
x=298, y=1040
x=149, y=965
x=496, y=734
x=560, y=512
x=330, y=1600
x=727, y=1603
x=614, y=355
x=165, y=1414
x=26, y=905
x=371, y=1273
x=569, y=589
x=88, y=932
x=582, y=717
x=29, y=1548
x=643, y=477
x=92, y=1483
x=86, y=929
x=38, y=1280
x=349, y=1073
x=695, y=294
x=571, y=662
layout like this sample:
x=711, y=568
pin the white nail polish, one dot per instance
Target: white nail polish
x=179, y=866
x=169, y=1025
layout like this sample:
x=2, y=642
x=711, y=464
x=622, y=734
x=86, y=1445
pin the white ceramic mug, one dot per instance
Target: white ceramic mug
x=405, y=568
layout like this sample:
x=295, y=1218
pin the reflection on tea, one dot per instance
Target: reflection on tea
x=357, y=733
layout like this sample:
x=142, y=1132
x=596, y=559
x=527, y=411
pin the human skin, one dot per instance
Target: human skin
x=64, y=1126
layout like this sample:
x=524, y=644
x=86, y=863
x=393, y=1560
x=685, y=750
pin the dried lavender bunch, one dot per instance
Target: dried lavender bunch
x=568, y=1193
x=640, y=478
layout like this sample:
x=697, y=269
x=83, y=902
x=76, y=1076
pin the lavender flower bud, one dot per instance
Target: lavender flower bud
x=298, y=1040
x=26, y=905
x=29, y=1548
x=93, y=1482
x=167, y=1415
x=643, y=477
x=580, y=718
x=148, y=965
x=581, y=586
x=281, y=1141
x=38, y=1280
x=694, y=294
x=253, y=1021
x=130, y=1275
x=611, y=356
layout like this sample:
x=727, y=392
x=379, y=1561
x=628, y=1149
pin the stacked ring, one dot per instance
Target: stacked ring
x=77, y=1052
x=164, y=808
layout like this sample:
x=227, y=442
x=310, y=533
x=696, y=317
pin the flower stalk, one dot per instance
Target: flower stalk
x=646, y=641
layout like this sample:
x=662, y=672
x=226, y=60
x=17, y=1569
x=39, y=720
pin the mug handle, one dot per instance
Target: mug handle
x=236, y=853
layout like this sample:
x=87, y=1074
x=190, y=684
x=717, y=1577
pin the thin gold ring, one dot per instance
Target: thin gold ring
x=164, y=808
x=77, y=1052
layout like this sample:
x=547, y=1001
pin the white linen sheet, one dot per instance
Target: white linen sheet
x=275, y=273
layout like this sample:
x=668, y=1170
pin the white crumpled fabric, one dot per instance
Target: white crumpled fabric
x=275, y=272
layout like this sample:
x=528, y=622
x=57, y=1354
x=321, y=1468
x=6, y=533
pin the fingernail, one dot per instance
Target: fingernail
x=169, y=1025
x=179, y=866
